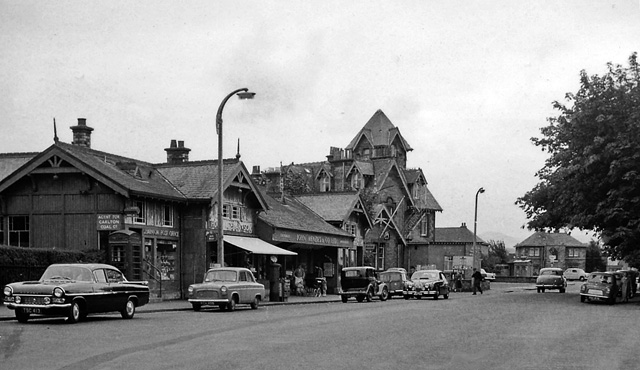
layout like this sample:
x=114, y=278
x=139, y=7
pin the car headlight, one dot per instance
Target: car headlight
x=47, y=300
x=223, y=289
x=190, y=289
x=18, y=299
x=8, y=291
x=58, y=292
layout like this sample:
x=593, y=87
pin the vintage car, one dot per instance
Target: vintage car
x=427, y=283
x=226, y=287
x=600, y=286
x=362, y=282
x=75, y=290
x=396, y=279
x=575, y=274
x=551, y=278
x=490, y=276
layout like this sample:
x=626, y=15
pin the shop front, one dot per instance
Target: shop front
x=162, y=261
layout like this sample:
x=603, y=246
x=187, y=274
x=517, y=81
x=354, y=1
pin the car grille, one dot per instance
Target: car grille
x=207, y=294
x=32, y=300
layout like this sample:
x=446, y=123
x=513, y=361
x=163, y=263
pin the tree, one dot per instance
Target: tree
x=497, y=255
x=595, y=260
x=591, y=180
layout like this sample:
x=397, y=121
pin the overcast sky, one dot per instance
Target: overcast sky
x=468, y=83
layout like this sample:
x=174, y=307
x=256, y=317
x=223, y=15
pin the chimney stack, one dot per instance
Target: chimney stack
x=82, y=133
x=177, y=153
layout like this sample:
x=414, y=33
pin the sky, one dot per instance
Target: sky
x=468, y=83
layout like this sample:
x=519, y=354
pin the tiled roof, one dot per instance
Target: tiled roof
x=542, y=239
x=431, y=202
x=151, y=182
x=330, y=206
x=10, y=162
x=365, y=168
x=294, y=215
x=379, y=131
x=198, y=180
x=455, y=235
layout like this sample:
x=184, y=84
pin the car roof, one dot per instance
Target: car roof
x=551, y=269
x=91, y=266
x=228, y=269
x=357, y=268
x=428, y=271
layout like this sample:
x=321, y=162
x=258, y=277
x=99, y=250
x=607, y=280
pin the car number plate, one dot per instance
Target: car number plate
x=596, y=292
x=32, y=310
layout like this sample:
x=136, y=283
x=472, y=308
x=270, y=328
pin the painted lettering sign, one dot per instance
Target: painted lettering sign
x=109, y=222
x=309, y=238
x=161, y=232
x=233, y=225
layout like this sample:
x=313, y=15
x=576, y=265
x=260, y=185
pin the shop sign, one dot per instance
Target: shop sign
x=233, y=225
x=109, y=222
x=310, y=238
x=161, y=232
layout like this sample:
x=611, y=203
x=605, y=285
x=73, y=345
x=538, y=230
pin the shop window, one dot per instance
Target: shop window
x=141, y=217
x=19, y=231
x=167, y=215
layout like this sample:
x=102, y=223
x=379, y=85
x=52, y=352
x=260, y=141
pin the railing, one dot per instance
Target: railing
x=156, y=272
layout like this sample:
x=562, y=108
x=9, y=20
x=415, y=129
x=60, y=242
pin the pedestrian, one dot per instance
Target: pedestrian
x=476, y=279
x=321, y=282
x=298, y=279
x=625, y=287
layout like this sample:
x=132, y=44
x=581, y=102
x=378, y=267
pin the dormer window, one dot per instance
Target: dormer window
x=357, y=181
x=415, y=191
x=325, y=182
x=366, y=153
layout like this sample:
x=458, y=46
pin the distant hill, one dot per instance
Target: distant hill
x=509, y=241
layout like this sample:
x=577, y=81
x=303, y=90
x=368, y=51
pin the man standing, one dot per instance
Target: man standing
x=476, y=278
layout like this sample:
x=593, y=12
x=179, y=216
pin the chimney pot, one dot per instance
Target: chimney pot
x=180, y=144
x=173, y=144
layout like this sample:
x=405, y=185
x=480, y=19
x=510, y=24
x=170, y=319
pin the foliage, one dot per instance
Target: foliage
x=595, y=261
x=369, y=200
x=591, y=180
x=497, y=255
x=296, y=183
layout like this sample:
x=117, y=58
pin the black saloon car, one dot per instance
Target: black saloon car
x=74, y=291
x=362, y=282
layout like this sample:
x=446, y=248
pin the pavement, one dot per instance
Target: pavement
x=183, y=305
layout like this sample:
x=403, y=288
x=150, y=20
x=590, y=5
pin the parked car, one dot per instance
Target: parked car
x=226, y=287
x=396, y=279
x=490, y=276
x=575, y=274
x=600, y=286
x=425, y=283
x=75, y=290
x=362, y=283
x=551, y=278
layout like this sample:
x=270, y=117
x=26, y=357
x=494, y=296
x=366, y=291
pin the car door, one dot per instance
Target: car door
x=118, y=294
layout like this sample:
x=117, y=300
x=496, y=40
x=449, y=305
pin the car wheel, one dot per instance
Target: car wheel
x=418, y=296
x=22, y=316
x=542, y=290
x=407, y=297
x=561, y=290
x=445, y=296
x=581, y=278
x=129, y=310
x=435, y=296
x=231, y=306
x=344, y=298
x=369, y=295
x=385, y=294
x=74, y=313
x=255, y=303
x=360, y=298
x=611, y=301
x=582, y=298
x=538, y=290
x=196, y=306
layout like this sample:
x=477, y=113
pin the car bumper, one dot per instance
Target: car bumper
x=209, y=301
x=420, y=293
x=550, y=286
x=37, y=309
x=353, y=293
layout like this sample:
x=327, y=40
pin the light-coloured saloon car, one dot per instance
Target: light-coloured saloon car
x=226, y=287
x=575, y=274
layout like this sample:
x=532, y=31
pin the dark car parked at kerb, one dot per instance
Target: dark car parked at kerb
x=396, y=279
x=600, y=286
x=363, y=283
x=75, y=290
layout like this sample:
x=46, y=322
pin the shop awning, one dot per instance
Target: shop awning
x=257, y=246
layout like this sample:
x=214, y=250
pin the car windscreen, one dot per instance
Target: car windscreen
x=389, y=276
x=424, y=275
x=70, y=273
x=221, y=275
x=600, y=278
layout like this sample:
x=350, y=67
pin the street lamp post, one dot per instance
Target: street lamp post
x=242, y=94
x=476, y=260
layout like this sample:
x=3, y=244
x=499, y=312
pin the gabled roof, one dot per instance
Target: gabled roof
x=294, y=215
x=456, y=235
x=381, y=217
x=383, y=168
x=543, y=239
x=199, y=180
x=334, y=207
x=431, y=202
x=379, y=131
x=10, y=162
x=416, y=175
x=123, y=175
x=365, y=168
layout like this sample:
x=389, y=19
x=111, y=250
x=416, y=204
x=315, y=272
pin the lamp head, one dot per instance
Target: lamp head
x=246, y=95
x=481, y=190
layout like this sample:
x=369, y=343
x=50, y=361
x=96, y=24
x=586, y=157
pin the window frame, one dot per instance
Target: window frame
x=141, y=217
x=23, y=235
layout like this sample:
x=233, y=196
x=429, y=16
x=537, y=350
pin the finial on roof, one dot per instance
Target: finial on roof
x=55, y=131
x=238, y=152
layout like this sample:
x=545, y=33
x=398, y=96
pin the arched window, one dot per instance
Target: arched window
x=357, y=180
x=325, y=182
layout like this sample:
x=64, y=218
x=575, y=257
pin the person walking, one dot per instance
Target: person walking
x=625, y=287
x=298, y=277
x=476, y=279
